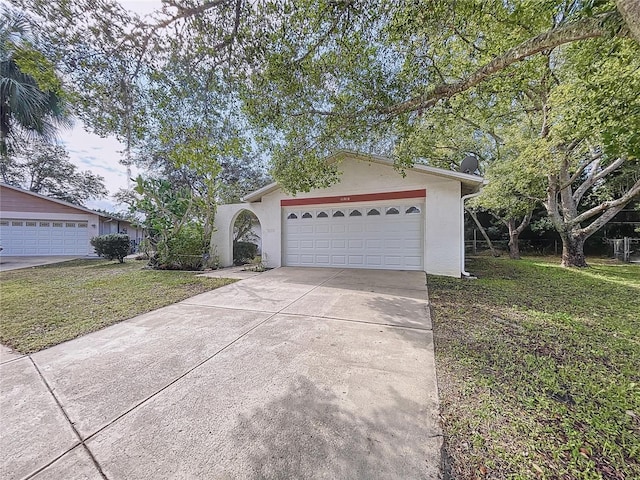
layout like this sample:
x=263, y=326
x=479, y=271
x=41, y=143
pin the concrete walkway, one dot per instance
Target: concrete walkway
x=293, y=373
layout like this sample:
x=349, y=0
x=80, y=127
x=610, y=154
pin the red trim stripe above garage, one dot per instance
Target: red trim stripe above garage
x=365, y=197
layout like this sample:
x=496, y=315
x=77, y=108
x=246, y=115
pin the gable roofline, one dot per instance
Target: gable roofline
x=473, y=182
x=55, y=200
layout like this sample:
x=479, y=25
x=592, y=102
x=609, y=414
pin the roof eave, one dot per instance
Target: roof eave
x=474, y=182
x=54, y=200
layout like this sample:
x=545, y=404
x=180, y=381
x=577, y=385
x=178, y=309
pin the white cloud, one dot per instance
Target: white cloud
x=102, y=157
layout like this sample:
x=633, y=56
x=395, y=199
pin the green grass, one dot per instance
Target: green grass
x=539, y=370
x=47, y=305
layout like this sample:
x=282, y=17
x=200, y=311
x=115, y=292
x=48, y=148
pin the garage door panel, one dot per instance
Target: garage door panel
x=306, y=259
x=338, y=259
x=374, y=260
x=393, y=261
x=378, y=236
x=356, y=260
x=393, y=243
x=413, y=261
x=338, y=243
x=42, y=237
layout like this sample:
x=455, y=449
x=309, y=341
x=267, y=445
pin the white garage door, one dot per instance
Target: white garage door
x=388, y=236
x=44, y=237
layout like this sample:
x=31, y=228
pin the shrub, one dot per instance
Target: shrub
x=244, y=252
x=185, y=251
x=112, y=246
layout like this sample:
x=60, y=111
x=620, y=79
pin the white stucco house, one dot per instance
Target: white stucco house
x=32, y=224
x=372, y=218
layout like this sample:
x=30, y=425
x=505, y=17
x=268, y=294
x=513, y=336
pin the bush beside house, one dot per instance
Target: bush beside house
x=244, y=252
x=112, y=246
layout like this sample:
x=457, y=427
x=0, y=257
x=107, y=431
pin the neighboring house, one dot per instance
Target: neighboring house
x=373, y=218
x=118, y=225
x=33, y=224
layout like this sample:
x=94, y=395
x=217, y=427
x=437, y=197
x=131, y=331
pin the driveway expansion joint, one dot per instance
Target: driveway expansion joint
x=238, y=309
x=71, y=424
x=112, y=433
x=180, y=377
x=373, y=324
x=12, y=360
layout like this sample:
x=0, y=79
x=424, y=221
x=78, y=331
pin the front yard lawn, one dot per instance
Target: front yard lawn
x=47, y=305
x=539, y=370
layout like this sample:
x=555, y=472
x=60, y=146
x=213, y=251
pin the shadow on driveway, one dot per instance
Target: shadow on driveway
x=307, y=431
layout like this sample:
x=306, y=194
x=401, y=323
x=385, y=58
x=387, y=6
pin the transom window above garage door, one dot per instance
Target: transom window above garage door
x=353, y=212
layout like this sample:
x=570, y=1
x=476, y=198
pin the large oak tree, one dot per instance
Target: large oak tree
x=312, y=76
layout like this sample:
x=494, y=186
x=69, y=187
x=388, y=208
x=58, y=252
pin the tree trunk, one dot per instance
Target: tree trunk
x=494, y=252
x=573, y=251
x=514, y=236
x=630, y=11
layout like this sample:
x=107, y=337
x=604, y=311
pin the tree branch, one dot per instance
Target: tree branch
x=489, y=132
x=319, y=42
x=524, y=223
x=594, y=176
x=579, y=30
x=187, y=12
x=583, y=167
x=611, y=206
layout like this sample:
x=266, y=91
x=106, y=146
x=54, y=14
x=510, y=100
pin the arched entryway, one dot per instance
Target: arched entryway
x=246, y=238
x=225, y=233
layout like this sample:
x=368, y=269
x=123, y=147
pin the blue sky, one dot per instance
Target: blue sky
x=102, y=155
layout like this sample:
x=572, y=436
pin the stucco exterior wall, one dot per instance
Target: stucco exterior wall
x=223, y=236
x=442, y=216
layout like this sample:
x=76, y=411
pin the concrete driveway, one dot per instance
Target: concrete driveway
x=294, y=373
x=15, y=263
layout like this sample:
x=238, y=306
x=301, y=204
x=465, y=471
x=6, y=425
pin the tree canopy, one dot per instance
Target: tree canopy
x=547, y=88
x=45, y=168
x=313, y=76
x=32, y=102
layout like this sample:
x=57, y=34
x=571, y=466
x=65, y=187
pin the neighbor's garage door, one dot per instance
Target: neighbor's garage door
x=384, y=236
x=43, y=237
